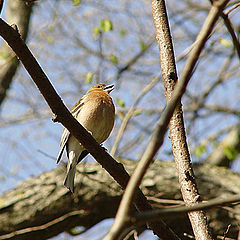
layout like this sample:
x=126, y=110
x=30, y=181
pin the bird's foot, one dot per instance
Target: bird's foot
x=103, y=148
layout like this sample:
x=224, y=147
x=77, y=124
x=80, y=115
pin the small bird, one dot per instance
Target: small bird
x=96, y=112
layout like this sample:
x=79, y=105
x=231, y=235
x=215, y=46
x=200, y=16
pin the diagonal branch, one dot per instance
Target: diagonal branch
x=176, y=126
x=62, y=115
x=229, y=26
x=130, y=113
x=158, y=135
x=1, y=5
x=99, y=200
x=135, y=58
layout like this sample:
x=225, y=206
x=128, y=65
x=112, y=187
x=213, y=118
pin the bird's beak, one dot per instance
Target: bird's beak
x=109, y=88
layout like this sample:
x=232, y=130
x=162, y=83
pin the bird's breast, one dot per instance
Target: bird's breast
x=97, y=116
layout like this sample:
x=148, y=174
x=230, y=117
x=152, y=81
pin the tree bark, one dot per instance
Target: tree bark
x=18, y=13
x=41, y=207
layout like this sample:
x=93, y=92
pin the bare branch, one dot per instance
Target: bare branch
x=159, y=183
x=130, y=113
x=17, y=12
x=172, y=212
x=229, y=26
x=61, y=114
x=176, y=126
x=232, y=142
x=1, y=5
x=134, y=59
x=157, y=138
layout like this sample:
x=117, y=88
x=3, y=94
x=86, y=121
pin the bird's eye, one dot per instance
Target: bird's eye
x=98, y=86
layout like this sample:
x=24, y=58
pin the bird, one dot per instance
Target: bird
x=96, y=112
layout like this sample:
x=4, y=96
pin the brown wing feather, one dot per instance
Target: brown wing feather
x=66, y=134
x=64, y=140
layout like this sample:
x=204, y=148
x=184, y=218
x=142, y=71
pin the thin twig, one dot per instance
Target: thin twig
x=139, y=218
x=131, y=233
x=198, y=102
x=133, y=60
x=41, y=227
x=221, y=77
x=62, y=115
x=130, y=114
x=1, y=5
x=229, y=26
x=159, y=132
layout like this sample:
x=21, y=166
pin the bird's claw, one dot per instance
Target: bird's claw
x=103, y=148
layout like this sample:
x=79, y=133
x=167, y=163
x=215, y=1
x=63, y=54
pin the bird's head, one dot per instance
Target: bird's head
x=101, y=87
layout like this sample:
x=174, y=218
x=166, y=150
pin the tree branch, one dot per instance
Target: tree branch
x=56, y=210
x=176, y=126
x=229, y=26
x=232, y=143
x=130, y=112
x=1, y=5
x=18, y=13
x=157, y=138
x=62, y=115
x=172, y=212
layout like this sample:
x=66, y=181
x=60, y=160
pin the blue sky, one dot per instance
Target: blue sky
x=28, y=148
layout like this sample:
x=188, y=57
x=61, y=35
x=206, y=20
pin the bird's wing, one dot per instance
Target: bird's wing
x=77, y=107
x=66, y=134
x=82, y=156
x=64, y=140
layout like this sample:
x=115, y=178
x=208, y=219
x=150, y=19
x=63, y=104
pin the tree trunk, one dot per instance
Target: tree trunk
x=41, y=207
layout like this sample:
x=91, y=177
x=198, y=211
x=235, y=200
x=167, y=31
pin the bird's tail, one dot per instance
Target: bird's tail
x=69, y=180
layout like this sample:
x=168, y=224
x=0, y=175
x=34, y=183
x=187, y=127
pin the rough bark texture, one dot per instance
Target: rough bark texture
x=38, y=201
x=176, y=125
x=62, y=115
x=18, y=13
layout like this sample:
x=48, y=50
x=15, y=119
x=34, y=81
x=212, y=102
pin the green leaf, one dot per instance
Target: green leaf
x=96, y=30
x=76, y=2
x=113, y=59
x=123, y=32
x=50, y=28
x=106, y=25
x=230, y=152
x=50, y=39
x=74, y=231
x=143, y=45
x=89, y=77
x=137, y=112
x=120, y=102
x=4, y=55
x=225, y=42
x=199, y=150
